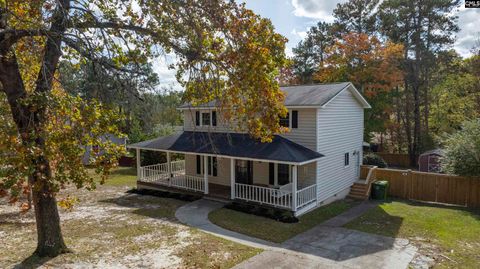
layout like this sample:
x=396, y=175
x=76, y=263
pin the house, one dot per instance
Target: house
x=429, y=161
x=86, y=158
x=316, y=162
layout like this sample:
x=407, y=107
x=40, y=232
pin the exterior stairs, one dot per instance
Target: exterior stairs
x=358, y=191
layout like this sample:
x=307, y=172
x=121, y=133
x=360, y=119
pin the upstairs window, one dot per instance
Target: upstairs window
x=206, y=119
x=285, y=121
x=347, y=159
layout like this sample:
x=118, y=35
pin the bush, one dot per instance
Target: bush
x=374, y=159
x=267, y=212
x=462, y=150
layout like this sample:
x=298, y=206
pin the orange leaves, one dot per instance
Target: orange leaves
x=371, y=65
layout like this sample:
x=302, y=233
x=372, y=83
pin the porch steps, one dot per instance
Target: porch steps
x=358, y=191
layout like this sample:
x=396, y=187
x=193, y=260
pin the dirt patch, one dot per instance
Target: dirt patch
x=109, y=228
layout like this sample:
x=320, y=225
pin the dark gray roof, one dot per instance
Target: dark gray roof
x=302, y=95
x=231, y=144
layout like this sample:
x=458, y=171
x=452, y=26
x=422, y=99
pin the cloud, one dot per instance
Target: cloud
x=166, y=76
x=469, y=31
x=301, y=34
x=315, y=9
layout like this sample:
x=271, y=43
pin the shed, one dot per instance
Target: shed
x=429, y=161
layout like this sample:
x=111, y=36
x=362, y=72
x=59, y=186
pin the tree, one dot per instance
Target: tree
x=356, y=16
x=224, y=51
x=424, y=28
x=371, y=66
x=462, y=150
x=309, y=54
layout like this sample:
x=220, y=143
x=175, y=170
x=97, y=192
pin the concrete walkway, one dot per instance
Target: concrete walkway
x=325, y=246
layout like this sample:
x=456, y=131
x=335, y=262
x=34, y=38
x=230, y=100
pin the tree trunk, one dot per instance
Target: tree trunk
x=50, y=240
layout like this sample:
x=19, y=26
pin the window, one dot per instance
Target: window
x=214, y=118
x=284, y=121
x=294, y=119
x=197, y=118
x=244, y=171
x=212, y=166
x=206, y=119
x=283, y=174
x=271, y=174
x=347, y=159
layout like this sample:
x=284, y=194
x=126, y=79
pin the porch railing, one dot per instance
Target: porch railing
x=263, y=195
x=306, y=195
x=159, y=172
x=178, y=167
x=188, y=182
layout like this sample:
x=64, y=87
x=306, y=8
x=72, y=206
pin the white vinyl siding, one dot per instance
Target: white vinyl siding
x=340, y=130
x=306, y=131
x=189, y=122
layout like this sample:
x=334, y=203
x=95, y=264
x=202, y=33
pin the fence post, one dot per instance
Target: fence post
x=169, y=169
x=232, y=178
x=294, y=188
x=408, y=191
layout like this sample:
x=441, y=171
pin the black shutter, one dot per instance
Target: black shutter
x=209, y=164
x=250, y=172
x=214, y=166
x=271, y=173
x=294, y=119
x=199, y=165
x=197, y=118
x=214, y=118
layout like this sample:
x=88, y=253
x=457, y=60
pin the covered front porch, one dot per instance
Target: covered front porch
x=278, y=183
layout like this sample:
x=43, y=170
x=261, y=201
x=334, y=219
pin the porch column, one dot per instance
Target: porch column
x=232, y=178
x=205, y=173
x=294, y=188
x=138, y=164
x=169, y=169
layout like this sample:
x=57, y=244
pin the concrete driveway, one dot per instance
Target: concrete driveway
x=334, y=247
x=327, y=245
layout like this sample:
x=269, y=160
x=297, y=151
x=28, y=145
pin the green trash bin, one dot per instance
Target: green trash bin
x=379, y=190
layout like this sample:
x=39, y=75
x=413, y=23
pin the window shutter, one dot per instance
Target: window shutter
x=294, y=119
x=214, y=118
x=214, y=166
x=197, y=118
x=271, y=173
x=199, y=165
x=209, y=164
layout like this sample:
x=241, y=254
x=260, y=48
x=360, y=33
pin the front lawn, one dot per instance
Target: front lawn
x=450, y=234
x=120, y=176
x=108, y=228
x=271, y=230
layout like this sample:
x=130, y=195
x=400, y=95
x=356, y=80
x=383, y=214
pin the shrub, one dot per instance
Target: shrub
x=374, y=159
x=462, y=150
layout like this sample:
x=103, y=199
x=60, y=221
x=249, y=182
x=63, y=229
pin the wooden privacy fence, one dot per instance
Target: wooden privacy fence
x=394, y=159
x=431, y=187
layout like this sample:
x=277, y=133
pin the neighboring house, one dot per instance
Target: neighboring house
x=316, y=162
x=88, y=149
x=429, y=161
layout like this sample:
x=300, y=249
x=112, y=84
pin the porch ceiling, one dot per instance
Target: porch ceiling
x=231, y=145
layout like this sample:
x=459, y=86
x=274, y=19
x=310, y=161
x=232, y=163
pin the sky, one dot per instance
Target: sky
x=293, y=18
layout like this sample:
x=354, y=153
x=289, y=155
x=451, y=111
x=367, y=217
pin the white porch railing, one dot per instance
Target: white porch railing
x=188, y=182
x=306, y=195
x=153, y=172
x=263, y=195
x=158, y=174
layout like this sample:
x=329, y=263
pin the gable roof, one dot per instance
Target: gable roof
x=316, y=95
x=232, y=145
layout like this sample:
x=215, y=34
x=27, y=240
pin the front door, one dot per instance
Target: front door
x=244, y=172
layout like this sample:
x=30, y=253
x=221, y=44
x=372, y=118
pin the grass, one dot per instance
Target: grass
x=121, y=176
x=271, y=230
x=454, y=231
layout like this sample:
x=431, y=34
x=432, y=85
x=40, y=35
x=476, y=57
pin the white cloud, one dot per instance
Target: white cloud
x=301, y=34
x=469, y=30
x=166, y=75
x=317, y=9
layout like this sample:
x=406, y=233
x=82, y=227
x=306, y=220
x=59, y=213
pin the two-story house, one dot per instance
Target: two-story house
x=316, y=162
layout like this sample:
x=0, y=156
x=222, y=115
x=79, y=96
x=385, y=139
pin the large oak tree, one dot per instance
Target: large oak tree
x=224, y=51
